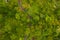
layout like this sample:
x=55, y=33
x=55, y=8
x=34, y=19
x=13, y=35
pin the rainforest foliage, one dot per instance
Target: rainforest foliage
x=29, y=19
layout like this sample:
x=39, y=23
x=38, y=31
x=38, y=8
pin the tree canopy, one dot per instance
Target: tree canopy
x=30, y=20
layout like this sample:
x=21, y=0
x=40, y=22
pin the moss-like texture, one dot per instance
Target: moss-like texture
x=30, y=20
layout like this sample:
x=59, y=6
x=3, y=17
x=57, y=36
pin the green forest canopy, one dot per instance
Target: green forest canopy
x=30, y=20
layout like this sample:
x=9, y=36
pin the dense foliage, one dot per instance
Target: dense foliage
x=30, y=20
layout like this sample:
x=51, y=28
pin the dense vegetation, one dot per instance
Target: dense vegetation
x=30, y=20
